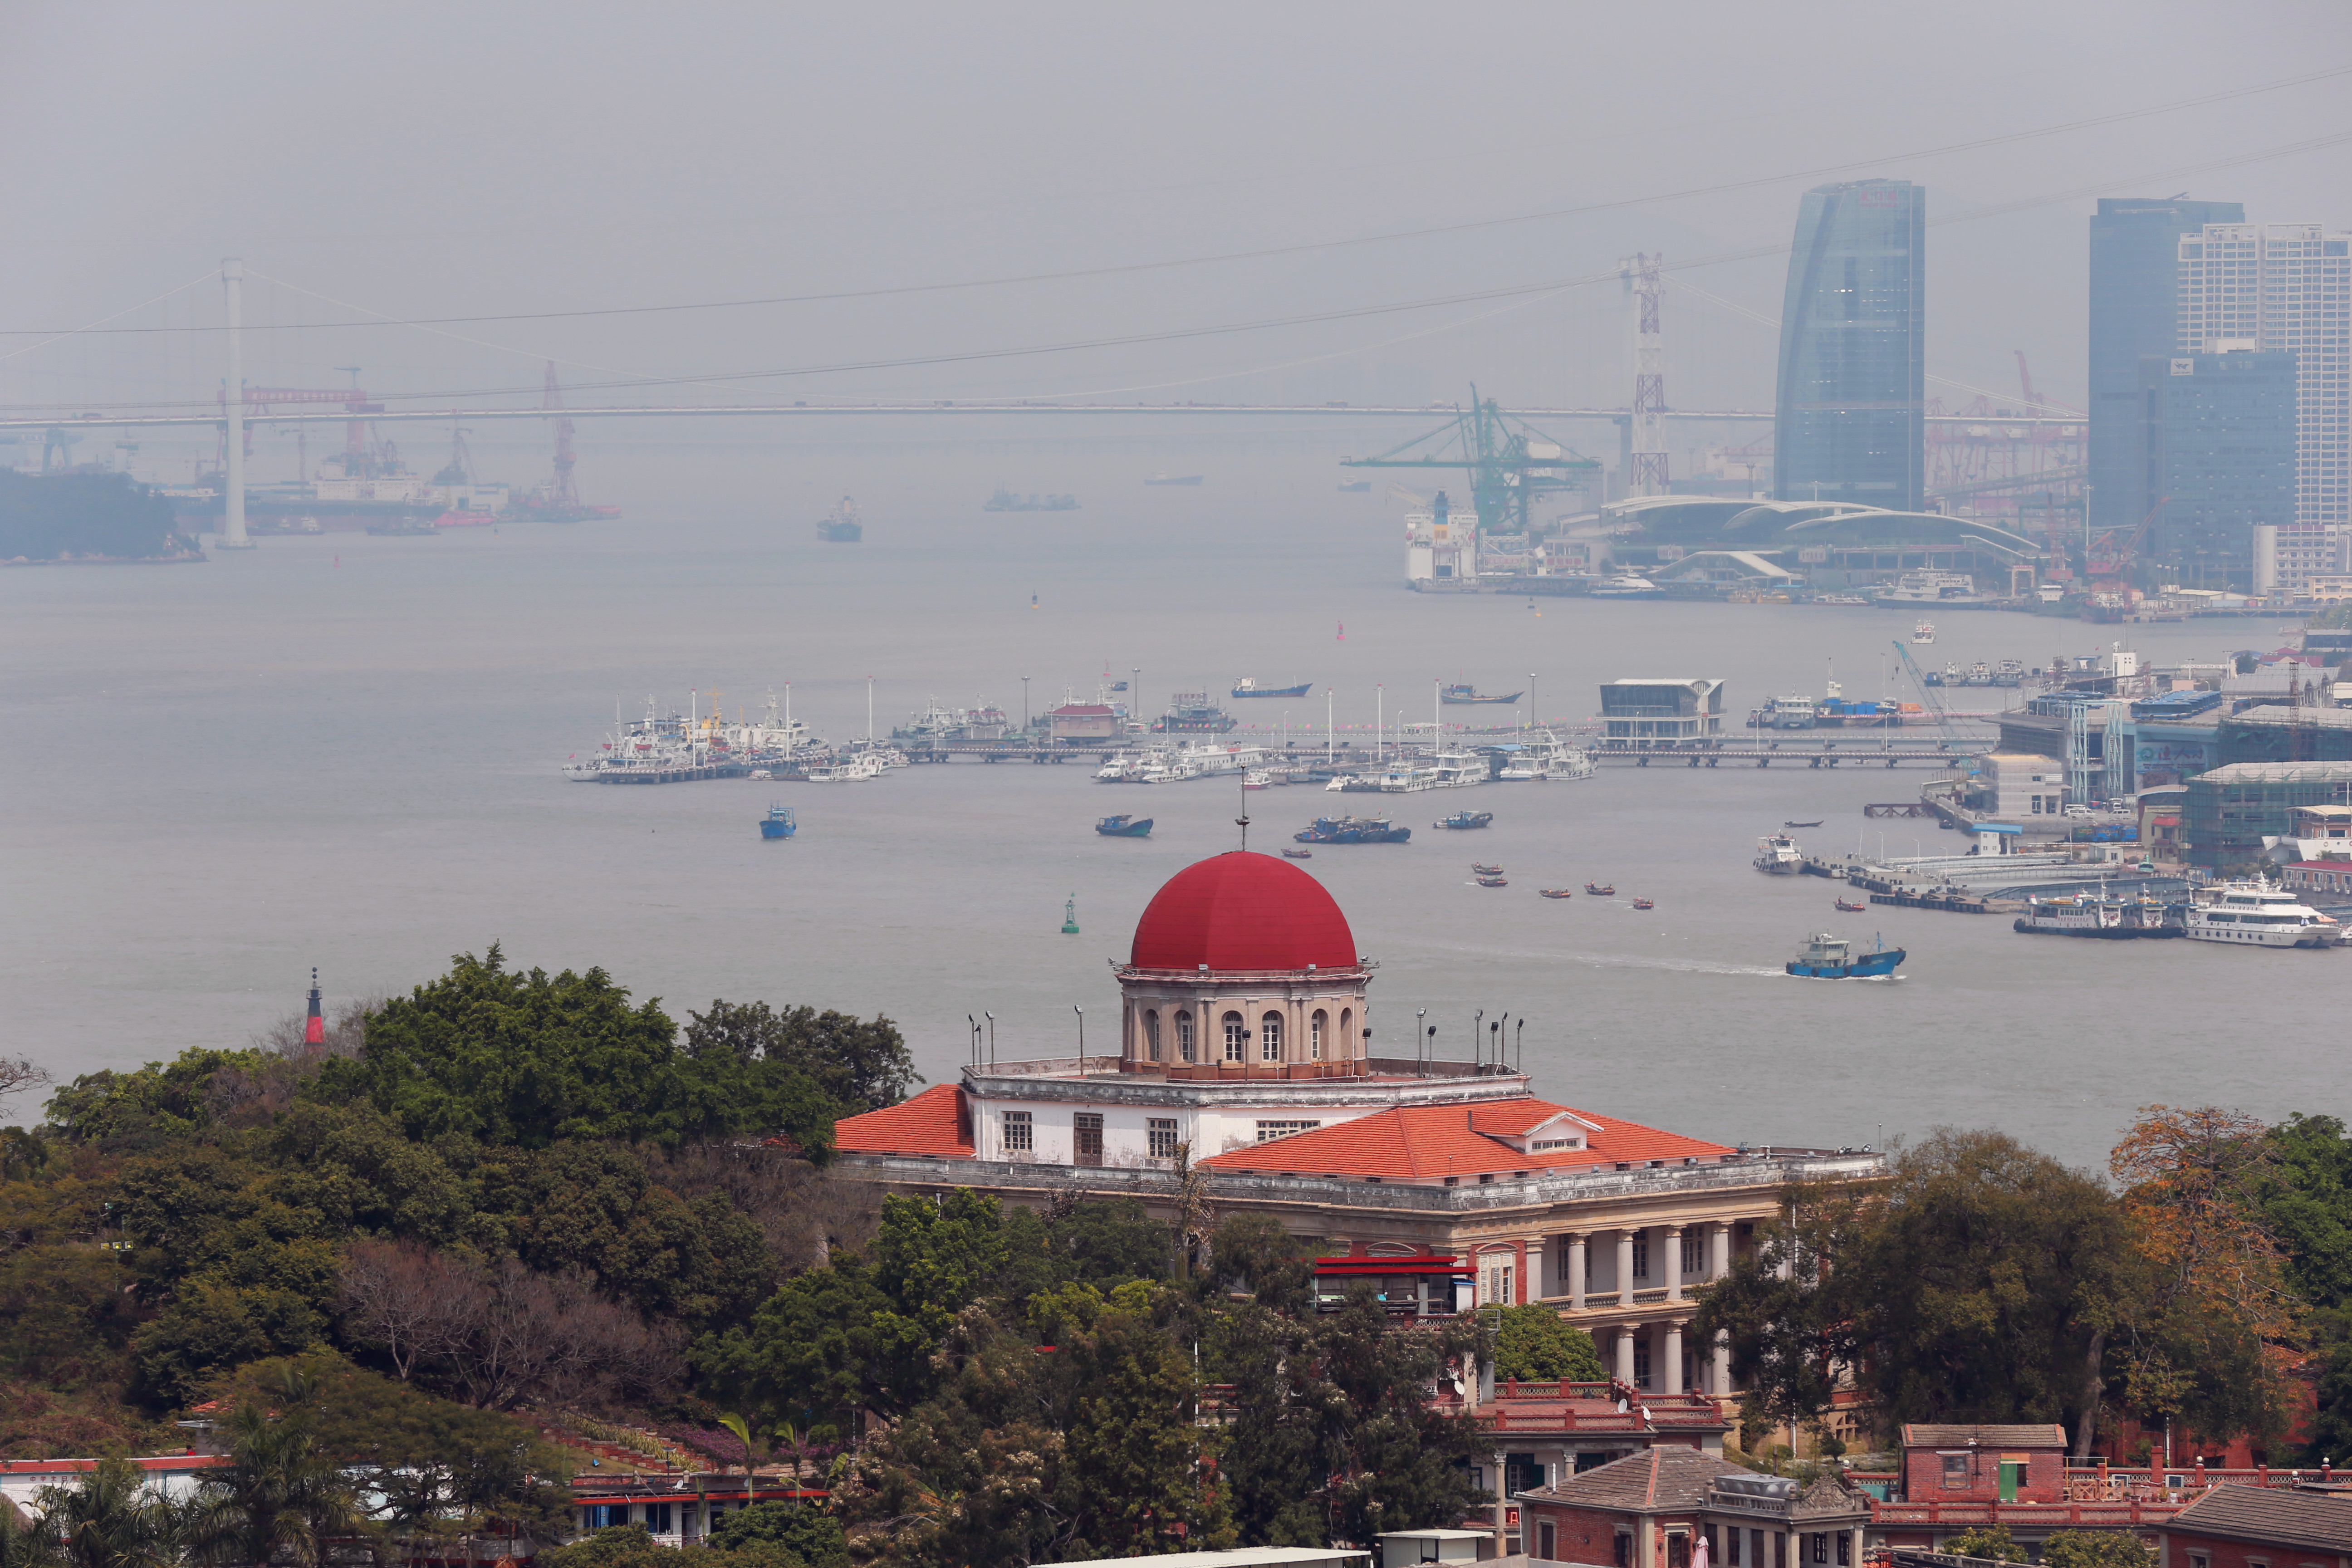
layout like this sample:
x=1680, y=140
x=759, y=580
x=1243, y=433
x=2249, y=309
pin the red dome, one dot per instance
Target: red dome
x=1241, y=910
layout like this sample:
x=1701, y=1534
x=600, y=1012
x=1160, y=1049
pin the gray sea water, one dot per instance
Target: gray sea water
x=343, y=751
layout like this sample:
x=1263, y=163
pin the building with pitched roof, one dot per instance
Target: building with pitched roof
x=2259, y=1527
x=1679, y=1508
x=1245, y=1050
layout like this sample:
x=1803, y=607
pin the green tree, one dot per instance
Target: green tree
x=528, y=1058
x=826, y=1343
x=27, y=1542
x=1993, y=1544
x=2095, y=1549
x=1136, y=1461
x=808, y=1535
x=279, y=1498
x=66, y=1315
x=112, y=1519
x=863, y=1064
x=1975, y=1283
x=1533, y=1342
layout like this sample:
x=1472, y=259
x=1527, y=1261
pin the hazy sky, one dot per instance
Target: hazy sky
x=480, y=160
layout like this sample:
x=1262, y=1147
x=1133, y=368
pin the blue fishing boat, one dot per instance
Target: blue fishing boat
x=1826, y=957
x=1463, y=819
x=778, y=823
x=1124, y=826
x=1353, y=830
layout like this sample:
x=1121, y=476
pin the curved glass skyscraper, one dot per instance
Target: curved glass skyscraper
x=1851, y=401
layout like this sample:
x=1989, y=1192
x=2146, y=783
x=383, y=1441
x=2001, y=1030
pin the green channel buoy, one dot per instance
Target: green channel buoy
x=1070, y=916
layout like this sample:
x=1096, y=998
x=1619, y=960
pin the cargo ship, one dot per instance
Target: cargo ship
x=1005, y=501
x=840, y=526
x=1245, y=687
x=1456, y=694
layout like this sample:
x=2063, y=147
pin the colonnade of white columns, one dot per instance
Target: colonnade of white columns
x=1664, y=1271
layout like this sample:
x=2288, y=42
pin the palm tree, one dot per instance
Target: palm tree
x=112, y=1519
x=27, y=1543
x=278, y=1500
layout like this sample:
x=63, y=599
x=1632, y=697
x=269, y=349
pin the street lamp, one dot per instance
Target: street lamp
x=1024, y=702
x=1081, y=1012
x=1419, y=1017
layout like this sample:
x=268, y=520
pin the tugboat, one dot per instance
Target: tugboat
x=778, y=823
x=1827, y=957
x=1479, y=869
x=1556, y=892
x=1353, y=830
x=1298, y=854
x=1849, y=908
x=1124, y=826
x=1645, y=903
x=1492, y=882
x=1466, y=819
x=1602, y=889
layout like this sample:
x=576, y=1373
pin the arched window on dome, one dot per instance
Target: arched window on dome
x=1347, y=1032
x=1237, y=1038
x=1269, y=1037
x=1152, y=1034
x=1185, y=1036
x=1316, y=1028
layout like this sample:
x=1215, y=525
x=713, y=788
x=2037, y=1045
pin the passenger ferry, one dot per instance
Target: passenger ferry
x=1439, y=770
x=2089, y=915
x=1778, y=855
x=2258, y=914
x=1543, y=756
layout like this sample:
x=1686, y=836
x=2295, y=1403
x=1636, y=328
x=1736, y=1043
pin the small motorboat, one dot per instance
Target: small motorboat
x=1466, y=819
x=1601, y=890
x=1298, y=854
x=1124, y=826
x=778, y=823
x=1479, y=869
x=1645, y=903
x=1556, y=892
x=1256, y=778
x=1492, y=882
x=1851, y=908
x=1801, y=825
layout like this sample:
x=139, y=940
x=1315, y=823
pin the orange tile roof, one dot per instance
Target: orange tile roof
x=935, y=1122
x=1430, y=1142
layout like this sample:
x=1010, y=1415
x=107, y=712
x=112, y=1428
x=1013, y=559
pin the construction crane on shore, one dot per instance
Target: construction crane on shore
x=1510, y=462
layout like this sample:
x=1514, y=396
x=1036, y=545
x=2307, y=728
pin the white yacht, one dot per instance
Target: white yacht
x=1543, y=756
x=1439, y=770
x=1928, y=588
x=1627, y=586
x=2258, y=914
x=1777, y=854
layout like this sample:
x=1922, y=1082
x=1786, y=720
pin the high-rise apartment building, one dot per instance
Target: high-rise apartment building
x=1849, y=420
x=2285, y=287
x=2219, y=432
x=2135, y=307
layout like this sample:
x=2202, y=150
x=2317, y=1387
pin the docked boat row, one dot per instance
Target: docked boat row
x=1176, y=763
x=1353, y=830
x=2256, y=913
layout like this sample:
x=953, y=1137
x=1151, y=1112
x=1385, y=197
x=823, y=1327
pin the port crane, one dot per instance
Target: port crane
x=2105, y=561
x=1932, y=698
x=1510, y=462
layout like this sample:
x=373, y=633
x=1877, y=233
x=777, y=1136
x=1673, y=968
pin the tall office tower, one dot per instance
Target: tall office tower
x=2285, y=288
x=1848, y=421
x=2219, y=432
x=2135, y=303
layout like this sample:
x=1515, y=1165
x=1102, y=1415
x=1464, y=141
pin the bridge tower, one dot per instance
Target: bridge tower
x=1646, y=473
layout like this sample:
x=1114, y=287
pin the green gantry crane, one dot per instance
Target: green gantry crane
x=1511, y=463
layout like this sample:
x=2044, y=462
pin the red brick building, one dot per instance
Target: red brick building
x=1984, y=1464
x=2256, y=1527
x=1679, y=1508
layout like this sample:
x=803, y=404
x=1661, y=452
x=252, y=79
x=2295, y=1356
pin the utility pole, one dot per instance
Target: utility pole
x=233, y=535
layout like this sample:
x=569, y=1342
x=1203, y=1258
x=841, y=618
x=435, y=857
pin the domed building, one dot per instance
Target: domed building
x=1249, y=1045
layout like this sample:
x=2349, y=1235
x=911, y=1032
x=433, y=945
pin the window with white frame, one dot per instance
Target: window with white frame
x=1641, y=1261
x=1269, y=1037
x=1159, y=1137
x=1185, y=1036
x=1316, y=1028
x=1237, y=1038
x=1019, y=1136
x=1269, y=1131
x=1694, y=1255
x=1152, y=1034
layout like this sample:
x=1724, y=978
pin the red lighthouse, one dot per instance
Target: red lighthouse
x=314, y=1027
